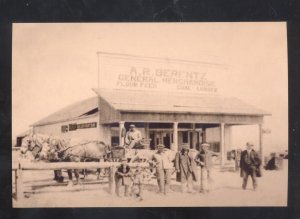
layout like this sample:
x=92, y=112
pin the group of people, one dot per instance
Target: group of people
x=185, y=167
x=186, y=170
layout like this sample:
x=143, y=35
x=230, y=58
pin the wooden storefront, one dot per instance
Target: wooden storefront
x=174, y=119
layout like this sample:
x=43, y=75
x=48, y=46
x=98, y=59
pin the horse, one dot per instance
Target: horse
x=88, y=151
x=33, y=143
x=54, y=149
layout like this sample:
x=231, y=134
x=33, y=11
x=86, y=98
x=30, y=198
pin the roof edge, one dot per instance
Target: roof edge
x=62, y=120
x=208, y=113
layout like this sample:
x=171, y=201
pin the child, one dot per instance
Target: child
x=123, y=177
x=138, y=179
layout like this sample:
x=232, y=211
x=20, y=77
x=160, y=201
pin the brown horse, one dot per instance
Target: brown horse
x=89, y=151
x=53, y=149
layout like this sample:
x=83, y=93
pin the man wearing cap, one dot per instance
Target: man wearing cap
x=204, y=159
x=185, y=167
x=163, y=163
x=133, y=137
x=250, y=165
x=123, y=177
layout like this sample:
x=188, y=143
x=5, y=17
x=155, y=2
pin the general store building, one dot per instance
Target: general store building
x=162, y=116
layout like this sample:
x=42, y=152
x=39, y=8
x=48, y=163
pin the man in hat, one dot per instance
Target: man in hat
x=133, y=137
x=185, y=167
x=250, y=165
x=204, y=160
x=163, y=163
x=123, y=177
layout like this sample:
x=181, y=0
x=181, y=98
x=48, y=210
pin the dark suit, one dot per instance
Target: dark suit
x=186, y=167
x=123, y=177
x=250, y=165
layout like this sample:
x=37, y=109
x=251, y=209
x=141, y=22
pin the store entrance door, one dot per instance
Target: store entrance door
x=161, y=137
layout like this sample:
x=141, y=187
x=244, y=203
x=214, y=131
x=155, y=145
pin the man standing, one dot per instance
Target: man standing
x=186, y=169
x=204, y=159
x=133, y=137
x=250, y=165
x=164, y=165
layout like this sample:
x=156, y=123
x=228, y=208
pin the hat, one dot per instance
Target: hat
x=185, y=146
x=249, y=143
x=160, y=146
x=132, y=125
x=205, y=145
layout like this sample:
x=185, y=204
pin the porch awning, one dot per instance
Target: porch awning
x=138, y=103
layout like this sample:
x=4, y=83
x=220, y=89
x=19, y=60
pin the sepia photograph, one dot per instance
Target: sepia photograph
x=149, y=114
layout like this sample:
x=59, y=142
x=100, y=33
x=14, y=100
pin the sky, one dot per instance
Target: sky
x=54, y=65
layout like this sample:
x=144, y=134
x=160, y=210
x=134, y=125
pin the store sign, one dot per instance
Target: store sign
x=75, y=126
x=141, y=73
x=87, y=125
x=72, y=127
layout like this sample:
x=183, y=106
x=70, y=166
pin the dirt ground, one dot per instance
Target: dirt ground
x=42, y=191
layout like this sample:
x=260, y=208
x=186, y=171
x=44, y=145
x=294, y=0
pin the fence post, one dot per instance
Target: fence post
x=112, y=180
x=19, y=183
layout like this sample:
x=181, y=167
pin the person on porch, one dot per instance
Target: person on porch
x=133, y=137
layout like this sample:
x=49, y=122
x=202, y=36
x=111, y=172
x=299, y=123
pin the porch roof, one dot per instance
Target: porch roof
x=162, y=102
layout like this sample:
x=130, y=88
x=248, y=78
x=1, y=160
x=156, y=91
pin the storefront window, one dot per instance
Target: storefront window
x=185, y=137
x=115, y=141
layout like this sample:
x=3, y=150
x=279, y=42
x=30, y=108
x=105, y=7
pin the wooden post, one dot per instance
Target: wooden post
x=111, y=182
x=147, y=134
x=225, y=144
x=121, y=138
x=160, y=137
x=222, y=145
x=194, y=136
x=260, y=126
x=154, y=140
x=19, y=184
x=203, y=135
x=175, y=136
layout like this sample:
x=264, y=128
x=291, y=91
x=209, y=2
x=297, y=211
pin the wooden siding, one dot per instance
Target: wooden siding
x=192, y=118
x=107, y=112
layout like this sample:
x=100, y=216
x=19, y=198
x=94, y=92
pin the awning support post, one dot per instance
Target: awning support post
x=121, y=133
x=222, y=144
x=175, y=136
x=260, y=126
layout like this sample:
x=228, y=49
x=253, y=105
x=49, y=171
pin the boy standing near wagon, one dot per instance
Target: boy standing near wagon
x=123, y=177
x=138, y=180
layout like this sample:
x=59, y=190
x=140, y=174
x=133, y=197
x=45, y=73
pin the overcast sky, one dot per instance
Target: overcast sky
x=56, y=64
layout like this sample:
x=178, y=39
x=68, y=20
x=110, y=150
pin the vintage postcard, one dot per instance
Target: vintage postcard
x=149, y=114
